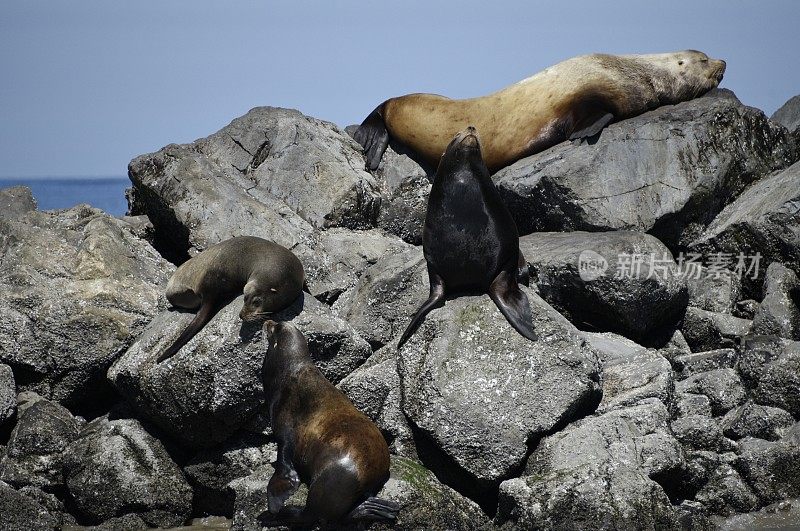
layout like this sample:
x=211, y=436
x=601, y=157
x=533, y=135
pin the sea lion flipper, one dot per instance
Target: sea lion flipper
x=207, y=310
x=523, y=270
x=373, y=137
x=593, y=127
x=435, y=299
x=375, y=509
x=513, y=304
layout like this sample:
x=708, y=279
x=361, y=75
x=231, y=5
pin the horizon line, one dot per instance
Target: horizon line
x=65, y=177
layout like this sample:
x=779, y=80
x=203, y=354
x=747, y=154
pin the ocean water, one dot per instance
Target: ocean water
x=107, y=193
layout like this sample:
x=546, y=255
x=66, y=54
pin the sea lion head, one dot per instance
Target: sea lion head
x=284, y=339
x=463, y=153
x=259, y=301
x=691, y=74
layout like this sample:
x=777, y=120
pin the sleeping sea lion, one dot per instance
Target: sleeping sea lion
x=572, y=99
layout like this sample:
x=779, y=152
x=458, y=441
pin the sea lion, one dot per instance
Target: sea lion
x=470, y=240
x=323, y=441
x=270, y=276
x=572, y=99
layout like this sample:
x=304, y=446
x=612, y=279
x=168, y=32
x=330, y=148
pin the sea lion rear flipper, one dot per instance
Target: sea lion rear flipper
x=374, y=509
x=523, y=270
x=435, y=299
x=373, y=137
x=513, y=304
x=207, y=310
x=592, y=128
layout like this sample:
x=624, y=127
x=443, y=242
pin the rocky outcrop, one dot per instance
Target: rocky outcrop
x=21, y=513
x=778, y=313
x=8, y=394
x=115, y=467
x=481, y=393
x=620, y=281
x=771, y=367
x=666, y=172
x=789, y=114
x=69, y=279
x=212, y=386
x=15, y=202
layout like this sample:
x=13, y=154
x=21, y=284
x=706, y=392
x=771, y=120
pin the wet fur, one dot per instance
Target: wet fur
x=322, y=438
x=470, y=240
x=570, y=97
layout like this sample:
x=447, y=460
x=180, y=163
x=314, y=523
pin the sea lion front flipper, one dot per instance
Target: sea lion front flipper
x=513, y=304
x=592, y=128
x=207, y=310
x=373, y=137
x=435, y=299
x=375, y=509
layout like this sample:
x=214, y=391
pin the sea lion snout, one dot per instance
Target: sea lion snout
x=469, y=138
x=719, y=71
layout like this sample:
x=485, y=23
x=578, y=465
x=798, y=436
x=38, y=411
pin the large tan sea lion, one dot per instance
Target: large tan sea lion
x=572, y=99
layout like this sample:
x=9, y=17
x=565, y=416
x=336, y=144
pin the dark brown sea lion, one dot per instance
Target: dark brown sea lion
x=323, y=441
x=270, y=276
x=470, y=240
x=572, y=99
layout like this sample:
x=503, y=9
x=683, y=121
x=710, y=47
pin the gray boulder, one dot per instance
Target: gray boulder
x=631, y=373
x=762, y=220
x=21, y=513
x=699, y=432
x=723, y=387
x=753, y=420
x=706, y=330
x=282, y=176
x=71, y=279
x=212, y=387
x=596, y=474
x=772, y=469
x=482, y=393
x=374, y=388
x=778, y=313
x=8, y=394
x=726, y=493
x=33, y=456
x=789, y=114
x=715, y=290
x=625, y=282
x=666, y=172
x=771, y=366
x=689, y=364
x=210, y=471
x=115, y=467
x=387, y=295
x=690, y=404
x=15, y=202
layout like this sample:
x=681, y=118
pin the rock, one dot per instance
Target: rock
x=69, y=279
x=8, y=394
x=212, y=387
x=481, y=393
x=666, y=172
x=726, y=493
x=772, y=468
x=250, y=501
x=712, y=289
x=778, y=313
x=374, y=388
x=210, y=471
x=782, y=515
x=404, y=212
x=699, y=432
x=753, y=420
x=387, y=295
x=762, y=223
x=596, y=474
x=282, y=175
x=772, y=367
x=128, y=522
x=20, y=513
x=631, y=373
x=706, y=330
x=34, y=452
x=746, y=309
x=723, y=387
x=689, y=404
x=15, y=202
x=51, y=504
x=115, y=467
x=625, y=282
x=789, y=114
x=689, y=364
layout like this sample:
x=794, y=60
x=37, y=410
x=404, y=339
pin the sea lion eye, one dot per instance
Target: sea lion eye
x=680, y=63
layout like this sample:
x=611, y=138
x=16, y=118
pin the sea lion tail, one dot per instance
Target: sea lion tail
x=513, y=304
x=373, y=137
x=204, y=314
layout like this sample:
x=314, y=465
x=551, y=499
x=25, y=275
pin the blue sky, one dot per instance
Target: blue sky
x=86, y=85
